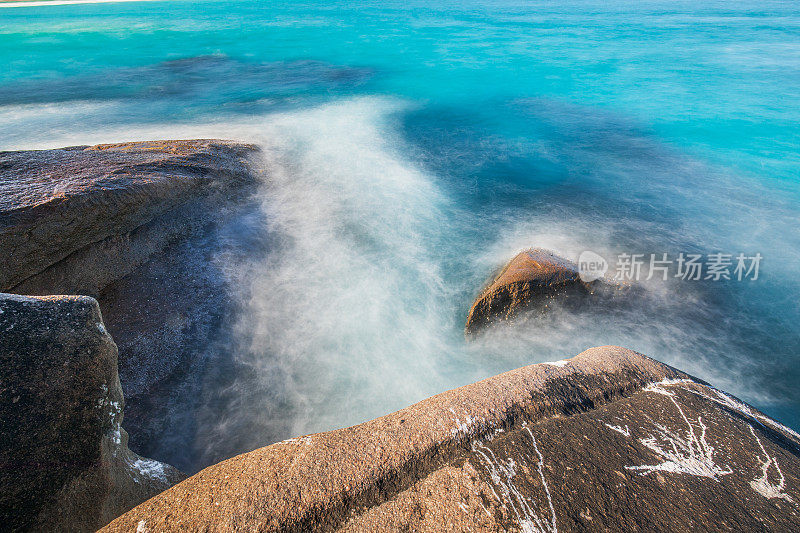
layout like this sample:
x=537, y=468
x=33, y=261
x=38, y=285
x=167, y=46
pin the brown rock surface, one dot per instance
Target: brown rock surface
x=73, y=220
x=64, y=460
x=607, y=441
x=534, y=275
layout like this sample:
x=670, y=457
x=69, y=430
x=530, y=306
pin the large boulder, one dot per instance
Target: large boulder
x=73, y=220
x=64, y=460
x=532, y=276
x=607, y=441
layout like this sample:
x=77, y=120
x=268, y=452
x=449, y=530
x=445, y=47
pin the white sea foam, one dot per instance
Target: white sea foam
x=149, y=469
x=351, y=305
x=356, y=310
x=347, y=317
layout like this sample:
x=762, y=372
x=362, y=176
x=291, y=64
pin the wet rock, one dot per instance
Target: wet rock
x=534, y=276
x=64, y=460
x=170, y=319
x=607, y=441
x=75, y=219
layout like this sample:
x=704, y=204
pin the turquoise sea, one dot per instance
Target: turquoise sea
x=412, y=148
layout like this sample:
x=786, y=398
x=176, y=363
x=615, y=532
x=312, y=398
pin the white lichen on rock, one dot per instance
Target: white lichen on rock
x=502, y=474
x=114, y=408
x=682, y=453
x=763, y=485
x=658, y=387
x=307, y=440
x=619, y=429
x=732, y=403
x=468, y=426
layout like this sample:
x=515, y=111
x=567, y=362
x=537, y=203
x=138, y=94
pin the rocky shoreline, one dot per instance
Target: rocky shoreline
x=73, y=220
x=64, y=460
x=607, y=440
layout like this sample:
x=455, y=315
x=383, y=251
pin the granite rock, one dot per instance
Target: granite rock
x=64, y=460
x=73, y=220
x=609, y=440
x=534, y=276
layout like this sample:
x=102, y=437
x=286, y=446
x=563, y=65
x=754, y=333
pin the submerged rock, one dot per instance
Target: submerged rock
x=532, y=276
x=75, y=219
x=607, y=441
x=64, y=460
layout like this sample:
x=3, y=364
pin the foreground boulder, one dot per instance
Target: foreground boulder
x=532, y=276
x=607, y=441
x=75, y=219
x=64, y=460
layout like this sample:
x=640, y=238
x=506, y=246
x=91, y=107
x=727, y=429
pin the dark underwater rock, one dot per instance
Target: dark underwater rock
x=609, y=440
x=64, y=460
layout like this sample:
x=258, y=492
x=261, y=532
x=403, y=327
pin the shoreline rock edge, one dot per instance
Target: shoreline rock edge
x=64, y=460
x=73, y=220
x=565, y=446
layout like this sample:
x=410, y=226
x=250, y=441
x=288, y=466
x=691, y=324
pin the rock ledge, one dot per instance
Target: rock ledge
x=608, y=440
x=64, y=460
x=74, y=219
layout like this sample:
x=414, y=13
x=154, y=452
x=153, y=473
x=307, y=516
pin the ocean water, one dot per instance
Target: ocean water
x=410, y=148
